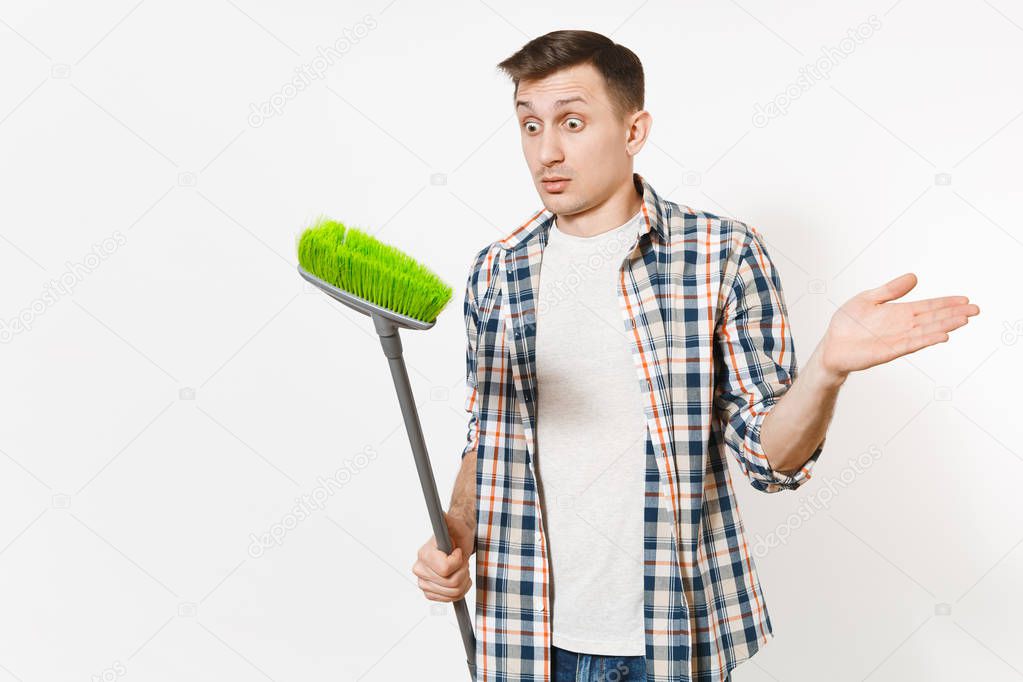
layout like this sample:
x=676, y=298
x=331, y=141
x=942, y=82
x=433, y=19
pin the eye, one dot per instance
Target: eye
x=579, y=120
x=530, y=123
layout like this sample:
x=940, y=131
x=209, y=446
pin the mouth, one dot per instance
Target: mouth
x=554, y=184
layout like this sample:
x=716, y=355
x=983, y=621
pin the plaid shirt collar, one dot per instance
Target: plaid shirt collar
x=538, y=227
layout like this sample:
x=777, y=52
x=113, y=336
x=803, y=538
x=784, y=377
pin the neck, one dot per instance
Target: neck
x=624, y=203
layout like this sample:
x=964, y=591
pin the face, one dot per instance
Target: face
x=569, y=129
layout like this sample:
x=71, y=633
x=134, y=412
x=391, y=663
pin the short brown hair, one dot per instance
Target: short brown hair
x=621, y=68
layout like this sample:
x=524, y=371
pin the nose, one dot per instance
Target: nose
x=550, y=148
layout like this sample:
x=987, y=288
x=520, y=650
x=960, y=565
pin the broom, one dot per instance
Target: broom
x=397, y=292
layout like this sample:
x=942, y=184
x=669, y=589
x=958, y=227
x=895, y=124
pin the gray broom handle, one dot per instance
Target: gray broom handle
x=391, y=342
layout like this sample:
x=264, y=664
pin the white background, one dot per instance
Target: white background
x=187, y=388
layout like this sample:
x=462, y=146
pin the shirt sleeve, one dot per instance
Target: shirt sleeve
x=471, y=311
x=756, y=365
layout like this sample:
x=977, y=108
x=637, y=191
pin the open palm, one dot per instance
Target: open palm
x=870, y=328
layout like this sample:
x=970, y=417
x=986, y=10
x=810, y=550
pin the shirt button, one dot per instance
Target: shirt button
x=540, y=606
x=539, y=537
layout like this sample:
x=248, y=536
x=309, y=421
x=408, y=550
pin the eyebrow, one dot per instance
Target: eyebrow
x=557, y=105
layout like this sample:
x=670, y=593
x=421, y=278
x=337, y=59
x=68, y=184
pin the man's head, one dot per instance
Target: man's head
x=579, y=103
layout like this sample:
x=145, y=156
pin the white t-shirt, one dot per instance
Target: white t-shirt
x=591, y=436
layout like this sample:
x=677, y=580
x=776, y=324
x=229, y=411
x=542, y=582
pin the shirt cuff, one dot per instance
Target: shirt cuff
x=762, y=476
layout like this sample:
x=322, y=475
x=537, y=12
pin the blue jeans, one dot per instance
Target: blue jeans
x=569, y=666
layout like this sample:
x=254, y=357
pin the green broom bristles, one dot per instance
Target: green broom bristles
x=360, y=264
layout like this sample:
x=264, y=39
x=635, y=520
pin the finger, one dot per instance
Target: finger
x=447, y=564
x=453, y=591
x=943, y=325
x=940, y=303
x=425, y=572
x=927, y=335
x=941, y=313
x=444, y=565
x=911, y=343
x=421, y=570
x=430, y=552
x=433, y=596
x=893, y=289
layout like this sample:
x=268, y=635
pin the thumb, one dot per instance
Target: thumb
x=893, y=289
x=455, y=560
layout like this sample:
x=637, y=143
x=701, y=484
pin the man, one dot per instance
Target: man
x=619, y=348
